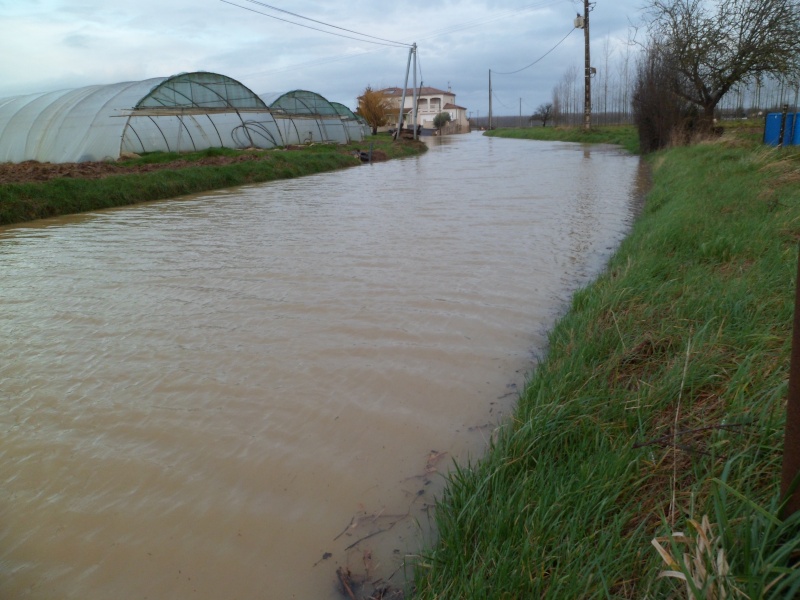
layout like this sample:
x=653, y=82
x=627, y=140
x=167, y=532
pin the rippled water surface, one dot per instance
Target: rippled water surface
x=233, y=394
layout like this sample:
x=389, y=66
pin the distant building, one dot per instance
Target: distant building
x=430, y=102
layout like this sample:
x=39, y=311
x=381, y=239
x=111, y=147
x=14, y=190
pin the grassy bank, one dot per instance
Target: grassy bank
x=659, y=408
x=183, y=174
x=622, y=135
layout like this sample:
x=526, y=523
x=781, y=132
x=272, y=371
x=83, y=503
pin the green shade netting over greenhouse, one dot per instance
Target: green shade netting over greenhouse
x=302, y=102
x=189, y=111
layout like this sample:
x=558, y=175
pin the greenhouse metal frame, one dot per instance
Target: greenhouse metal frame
x=185, y=112
x=314, y=119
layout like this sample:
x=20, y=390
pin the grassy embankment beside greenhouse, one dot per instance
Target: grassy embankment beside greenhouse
x=184, y=174
x=659, y=408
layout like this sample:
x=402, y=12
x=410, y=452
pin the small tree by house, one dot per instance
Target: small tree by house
x=373, y=106
x=442, y=119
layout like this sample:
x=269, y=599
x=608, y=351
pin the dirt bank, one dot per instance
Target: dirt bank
x=32, y=171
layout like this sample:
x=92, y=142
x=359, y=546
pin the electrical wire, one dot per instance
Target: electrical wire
x=480, y=22
x=311, y=63
x=455, y=28
x=275, y=8
x=500, y=101
x=392, y=44
x=538, y=59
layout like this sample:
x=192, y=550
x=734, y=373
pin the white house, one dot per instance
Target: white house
x=430, y=102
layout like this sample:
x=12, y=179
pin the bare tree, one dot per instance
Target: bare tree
x=557, y=104
x=624, y=82
x=543, y=113
x=660, y=115
x=569, y=95
x=716, y=44
x=606, y=56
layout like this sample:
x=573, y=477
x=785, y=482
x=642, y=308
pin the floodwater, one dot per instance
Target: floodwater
x=232, y=395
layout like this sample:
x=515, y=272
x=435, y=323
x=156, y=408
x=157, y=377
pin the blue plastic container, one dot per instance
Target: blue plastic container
x=791, y=130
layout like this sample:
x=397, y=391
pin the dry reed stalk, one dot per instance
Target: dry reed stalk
x=704, y=566
x=672, y=506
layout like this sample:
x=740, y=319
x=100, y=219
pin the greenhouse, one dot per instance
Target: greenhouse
x=186, y=112
x=306, y=117
x=356, y=127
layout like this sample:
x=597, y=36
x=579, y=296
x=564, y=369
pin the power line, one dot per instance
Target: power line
x=313, y=63
x=538, y=59
x=480, y=22
x=498, y=99
x=323, y=23
x=391, y=44
x=455, y=28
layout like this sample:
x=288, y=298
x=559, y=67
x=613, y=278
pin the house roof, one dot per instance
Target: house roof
x=423, y=91
x=449, y=105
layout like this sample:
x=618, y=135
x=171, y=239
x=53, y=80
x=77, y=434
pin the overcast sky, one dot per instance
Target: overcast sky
x=58, y=44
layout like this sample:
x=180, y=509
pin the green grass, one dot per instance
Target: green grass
x=623, y=135
x=186, y=174
x=690, y=325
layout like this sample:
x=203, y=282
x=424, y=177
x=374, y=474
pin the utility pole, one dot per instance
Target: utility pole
x=587, y=101
x=414, y=119
x=520, y=112
x=403, y=99
x=490, y=99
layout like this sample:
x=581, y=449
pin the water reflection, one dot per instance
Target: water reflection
x=228, y=395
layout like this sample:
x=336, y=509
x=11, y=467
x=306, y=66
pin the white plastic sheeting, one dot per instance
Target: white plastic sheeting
x=190, y=111
x=366, y=129
x=68, y=125
x=354, y=127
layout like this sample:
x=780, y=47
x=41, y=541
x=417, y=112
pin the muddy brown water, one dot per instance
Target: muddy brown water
x=231, y=395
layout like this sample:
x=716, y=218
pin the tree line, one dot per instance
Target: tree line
x=699, y=61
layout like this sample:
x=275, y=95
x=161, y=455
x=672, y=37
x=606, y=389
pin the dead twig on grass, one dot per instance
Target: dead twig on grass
x=668, y=438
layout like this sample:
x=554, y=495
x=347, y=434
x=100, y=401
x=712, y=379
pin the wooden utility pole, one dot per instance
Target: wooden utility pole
x=587, y=102
x=490, y=99
x=403, y=98
x=414, y=99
